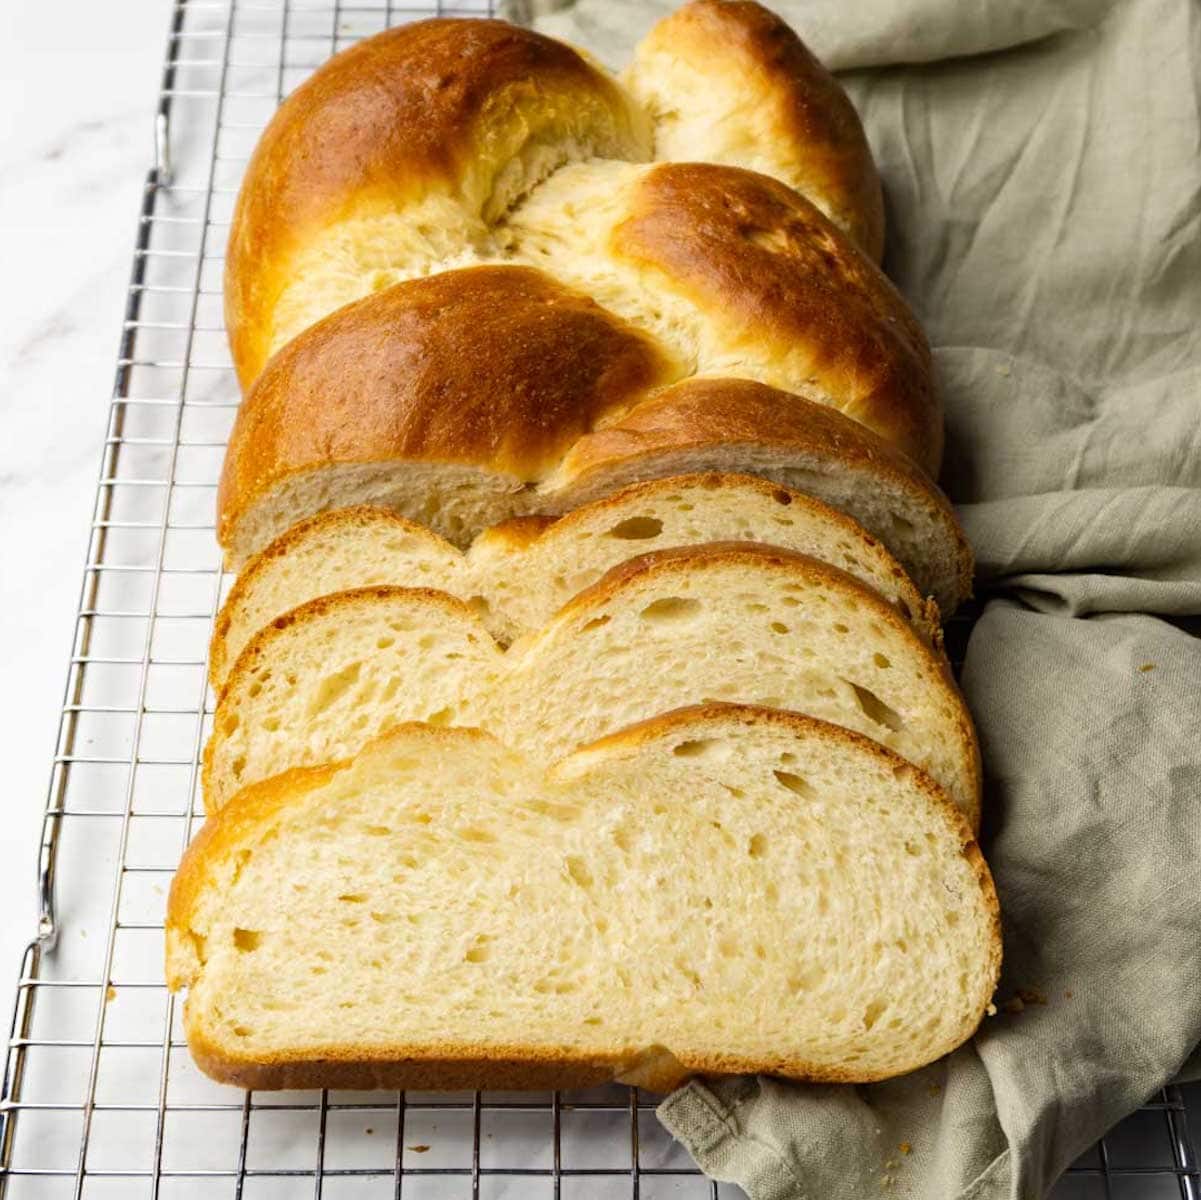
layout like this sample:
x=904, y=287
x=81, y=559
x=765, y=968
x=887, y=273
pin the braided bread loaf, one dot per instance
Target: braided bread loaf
x=486, y=288
x=475, y=283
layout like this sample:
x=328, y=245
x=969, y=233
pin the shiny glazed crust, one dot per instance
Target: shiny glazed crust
x=496, y=367
x=815, y=138
x=417, y=110
x=782, y=291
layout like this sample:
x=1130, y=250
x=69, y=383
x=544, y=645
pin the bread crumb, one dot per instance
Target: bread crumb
x=1003, y=370
x=1014, y=1005
x=905, y=1148
x=1147, y=667
x=1032, y=996
x=110, y=993
x=1068, y=994
x=419, y=1149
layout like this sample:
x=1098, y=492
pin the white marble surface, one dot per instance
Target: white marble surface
x=78, y=82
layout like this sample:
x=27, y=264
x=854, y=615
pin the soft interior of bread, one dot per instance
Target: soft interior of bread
x=318, y=687
x=339, y=671
x=455, y=501
x=920, y=535
x=574, y=553
x=348, y=549
x=743, y=898
x=735, y=632
x=519, y=584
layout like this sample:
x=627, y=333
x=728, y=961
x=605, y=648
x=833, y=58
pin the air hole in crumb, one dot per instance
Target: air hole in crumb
x=875, y=709
x=441, y=718
x=578, y=870
x=332, y=687
x=671, y=608
x=247, y=940
x=595, y=623
x=353, y=898
x=871, y=1014
x=242, y=1031
x=637, y=528
x=479, y=951
x=881, y=661
x=780, y=496
x=839, y=627
x=757, y=846
x=779, y=627
x=794, y=783
x=715, y=748
x=472, y=833
x=384, y=642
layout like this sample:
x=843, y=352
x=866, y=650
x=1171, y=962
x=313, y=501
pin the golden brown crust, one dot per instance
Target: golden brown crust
x=719, y=414
x=249, y=814
x=780, y=285
x=504, y=1068
x=495, y=367
x=431, y=106
x=819, y=141
x=362, y=514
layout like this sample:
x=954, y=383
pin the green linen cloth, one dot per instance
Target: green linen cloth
x=1042, y=165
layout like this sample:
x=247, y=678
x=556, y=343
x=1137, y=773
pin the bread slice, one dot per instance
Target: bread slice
x=725, y=621
x=718, y=890
x=528, y=579
x=522, y=571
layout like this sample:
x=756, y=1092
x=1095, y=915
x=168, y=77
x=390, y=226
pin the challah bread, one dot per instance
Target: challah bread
x=739, y=276
x=719, y=890
x=455, y=398
x=405, y=150
x=727, y=81
x=522, y=571
x=726, y=621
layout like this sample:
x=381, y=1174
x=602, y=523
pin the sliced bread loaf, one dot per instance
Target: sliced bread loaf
x=522, y=571
x=718, y=890
x=726, y=621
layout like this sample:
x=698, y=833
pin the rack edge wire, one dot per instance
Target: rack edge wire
x=47, y=931
x=158, y=180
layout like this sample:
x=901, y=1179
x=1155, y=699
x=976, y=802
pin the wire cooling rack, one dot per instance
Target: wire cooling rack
x=99, y=1096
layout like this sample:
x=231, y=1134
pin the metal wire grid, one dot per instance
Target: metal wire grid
x=99, y=1096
